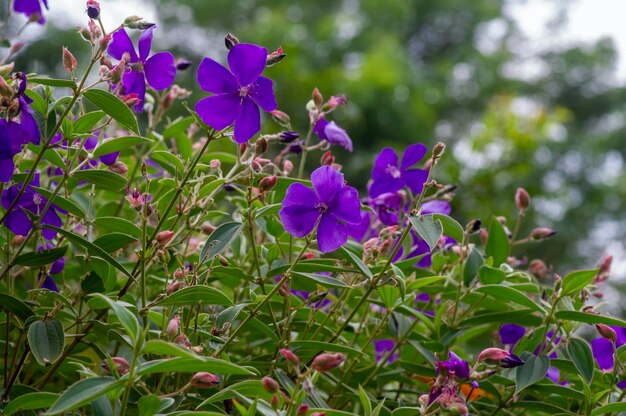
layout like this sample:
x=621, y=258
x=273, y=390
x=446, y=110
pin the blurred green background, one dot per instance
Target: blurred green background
x=461, y=72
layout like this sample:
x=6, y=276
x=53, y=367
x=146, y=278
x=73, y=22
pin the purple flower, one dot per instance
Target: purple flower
x=388, y=206
x=361, y=230
x=455, y=366
x=27, y=118
x=332, y=133
x=31, y=8
x=603, y=349
x=511, y=333
x=237, y=94
x=12, y=136
x=157, y=70
x=49, y=283
x=329, y=205
x=389, y=176
x=18, y=221
x=384, y=346
x=58, y=266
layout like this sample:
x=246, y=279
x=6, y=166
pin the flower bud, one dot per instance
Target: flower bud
x=173, y=327
x=289, y=356
x=7, y=69
x=269, y=384
x=275, y=57
x=260, y=147
x=136, y=22
x=93, y=9
x=281, y=118
x=223, y=260
x=606, y=332
x=207, y=228
x=179, y=274
x=175, y=286
x=275, y=402
x=182, y=64
x=230, y=40
x=288, y=136
x=204, y=380
x=183, y=341
x=328, y=361
x=438, y=150
x=541, y=233
x=5, y=89
x=267, y=184
x=603, y=270
x=303, y=410
x=130, y=100
x=84, y=33
x=335, y=101
x=287, y=167
x=317, y=97
x=104, y=42
x=296, y=147
x=494, y=354
x=94, y=30
x=538, y=269
x=522, y=199
x=164, y=237
x=327, y=159
x=120, y=363
x=18, y=240
x=69, y=62
x=119, y=167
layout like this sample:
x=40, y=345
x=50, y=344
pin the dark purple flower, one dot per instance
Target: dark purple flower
x=332, y=133
x=511, y=333
x=390, y=176
x=455, y=366
x=329, y=205
x=387, y=207
x=157, y=70
x=12, y=136
x=27, y=118
x=237, y=95
x=384, y=346
x=31, y=8
x=18, y=221
x=49, y=283
x=58, y=265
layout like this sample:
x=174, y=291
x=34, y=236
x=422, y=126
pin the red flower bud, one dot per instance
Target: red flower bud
x=164, y=237
x=121, y=365
x=175, y=286
x=173, y=327
x=269, y=384
x=604, y=269
x=522, y=199
x=606, y=332
x=495, y=354
x=69, y=62
x=204, y=380
x=541, y=233
x=289, y=356
x=327, y=159
x=303, y=409
x=317, y=97
x=281, y=118
x=267, y=183
x=328, y=361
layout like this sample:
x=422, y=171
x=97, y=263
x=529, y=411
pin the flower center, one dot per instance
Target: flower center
x=245, y=90
x=394, y=171
x=321, y=207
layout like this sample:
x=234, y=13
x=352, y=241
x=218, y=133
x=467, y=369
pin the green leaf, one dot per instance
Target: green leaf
x=472, y=266
x=582, y=357
x=429, y=228
x=15, y=306
x=497, y=243
x=406, y=411
x=118, y=224
x=178, y=126
x=87, y=121
x=160, y=347
x=61, y=202
x=316, y=346
x=509, y=294
x=451, y=227
x=533, y=370
x=164, y=158
x=84, y=392
x=248, y=388
x=149, y=405
x=192, y=365
x=111, y=242
x=365, y=402
x=41, y=258
x=119, y=143
x=589, y=318
x=577, y=281
x=52, y=82
x=91, y=247
x=488, y=275
x=352, y=258
x=103, y=179
x=46, y=340
x=127, y=318
x=196, y=294
x=322, y=280
x=30, y=401
x=609, y=408
x=220, y=239
x=114, y=107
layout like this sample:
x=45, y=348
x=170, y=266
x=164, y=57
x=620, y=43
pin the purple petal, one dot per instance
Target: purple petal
x=219, y=111
x=160, y=70
x=414, y=179
x=326, y=182
x=436, y=207
x=603, y=353
x=385, y=159
x=248, y=121
x=331, y=234
x=49, y=284
x=51, y=218
x=299, y=213
x=385, y=185
x=263, y=94
x=337, y=135
x=109, y=159
x=6, y=166
x=346, y=205
x=320, y=127
x=135, y=83
x=18, y=222
x=553, y=374
x=29, y=7
x=144, y=43
x=28, y=124
x=247, y=62
x=511, y=333
x=121, y=43
x=216, y=79
x=359, y=231
x=413, y=154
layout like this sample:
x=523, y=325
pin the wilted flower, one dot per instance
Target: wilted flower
x=237, y=95
x=330, y=205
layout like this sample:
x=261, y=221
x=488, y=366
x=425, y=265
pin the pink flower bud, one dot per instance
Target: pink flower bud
x=119, y=167
x=215, y=164
x=287, y=167
x=104, y=42
x=269, y=384
x=606, y=332
x=328, y=361
x=317, y=97
x=18, y=240
x=281, y=118
x=275, y=402
x=495, y=354
x=204, y=380
x=541, y=233
x=175, y=286
x=604, y=269
x=260, y=146
x=267, y=184
x=335, y=101
x=69, y=62
x=289, y=356
x=327, y=159
x=275, y=57
x=121, y=365
x=303, y=410
x=522, y=199
x=207, y=228
x=164, y=237
x=183, y=341
x=173, y=327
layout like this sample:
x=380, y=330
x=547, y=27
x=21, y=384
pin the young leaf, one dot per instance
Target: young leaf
x=83, y=392
x=192, y=365
x=51, y=82
x=46, y=340
x=196, y=294
x=472, y=266
x=365, y=402
x=589, y=318
x=87, y=121
x=533, y=370
x=509, y=294
x=352, y=258
x=580, y=353
x=497, y=243
x=451, y=227
x=40, y=258
x=429, y=228
x=127, y=318
x=118, y=224
x=114, y=107
x=610, y=408
x=220, y=239
x=577, y=281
